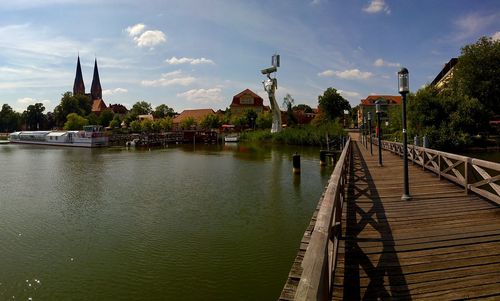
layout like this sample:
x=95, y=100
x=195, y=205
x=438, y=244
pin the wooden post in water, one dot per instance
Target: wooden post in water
x=322, y=158
x=296, y=163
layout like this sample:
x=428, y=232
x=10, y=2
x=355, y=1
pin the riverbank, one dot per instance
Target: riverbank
x=301, y=135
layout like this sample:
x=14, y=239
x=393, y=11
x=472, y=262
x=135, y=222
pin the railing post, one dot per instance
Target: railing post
x=466, y=175
x=423, y=158
x=439, y=166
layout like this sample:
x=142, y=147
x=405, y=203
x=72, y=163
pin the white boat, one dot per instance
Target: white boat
x=232, y=138
x=91, y=136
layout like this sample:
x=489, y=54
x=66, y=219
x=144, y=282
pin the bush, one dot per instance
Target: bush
x=303, y=135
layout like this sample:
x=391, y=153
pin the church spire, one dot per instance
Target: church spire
x=78, y=86
x=96, y=90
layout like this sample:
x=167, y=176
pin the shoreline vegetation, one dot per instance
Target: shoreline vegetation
x=311, y=135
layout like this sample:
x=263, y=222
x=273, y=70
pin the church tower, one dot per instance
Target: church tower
x=79, y=86
x=96, y=90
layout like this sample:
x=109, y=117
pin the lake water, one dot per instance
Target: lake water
x=183, y=223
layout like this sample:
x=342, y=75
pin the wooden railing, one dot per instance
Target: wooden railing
x=472, y=174
x=320, y=258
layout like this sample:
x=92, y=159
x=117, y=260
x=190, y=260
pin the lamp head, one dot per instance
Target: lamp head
x=269, y=70
x=369, y=116
x=378, y=108
x=403, y=81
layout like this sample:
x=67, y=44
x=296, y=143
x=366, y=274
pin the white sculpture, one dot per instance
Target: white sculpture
x=270, y=85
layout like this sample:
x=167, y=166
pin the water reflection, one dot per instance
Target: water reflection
x=226, y=218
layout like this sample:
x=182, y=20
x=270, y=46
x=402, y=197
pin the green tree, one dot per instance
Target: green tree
x=105, y=117
x=251, y=117
x=163, y=111
x=141, y=108
x=135, y=126
x=448, y=121
x=166, y=123
x=75, y=122
x=9, y=119
x=239, y=121
x=92, y=118
x=188, y=123
x=84, y=104
x=79, y=104
x=210, y=122
x=147, y=126
x=332, y=104
x=35, y=119
x=288, y=102
x=354, y=116
x=303, y=107
x=116, y=122
x=477, y=74
x=264, y=120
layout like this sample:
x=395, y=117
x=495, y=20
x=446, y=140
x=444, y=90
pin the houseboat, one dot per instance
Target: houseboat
x=90, y=136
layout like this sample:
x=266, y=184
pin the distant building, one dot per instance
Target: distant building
x=444, y=76
x=302, y=117
x=246, y=100
x=197, y=115
x=95, y=94
x=368, y=105
x=145, y=117
x=118, y=109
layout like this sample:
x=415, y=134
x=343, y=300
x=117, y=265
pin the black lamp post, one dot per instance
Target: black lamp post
x=370, y=131
x=404, y=88
x=378, y=110
x=364, y=130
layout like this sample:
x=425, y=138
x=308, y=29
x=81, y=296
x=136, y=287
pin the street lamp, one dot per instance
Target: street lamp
x=378, y=110
x=370, y=131
x=364, y=130
x=404, y=88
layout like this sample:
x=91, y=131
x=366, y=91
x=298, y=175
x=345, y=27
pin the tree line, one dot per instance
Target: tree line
x=457, y=116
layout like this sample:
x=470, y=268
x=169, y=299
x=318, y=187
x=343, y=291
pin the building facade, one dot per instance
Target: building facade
x=246, y=100
x=368, y=105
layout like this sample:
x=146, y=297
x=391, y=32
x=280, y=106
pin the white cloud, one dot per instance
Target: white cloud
x=185, y=60
x=148, y=38
x=203, y=96
x=114, y=91
x=26, y=100
x=496, y=36
x=473, y=24
x=349, y=94
x=23, y=103
x=174, y=78
x=377, y=6
x=326, y=73
x=136, y=30
x=382, y=63
x=316, y=2
x=347, y=74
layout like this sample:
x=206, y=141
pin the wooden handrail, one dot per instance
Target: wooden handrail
x=456, y=168
x=318, y=265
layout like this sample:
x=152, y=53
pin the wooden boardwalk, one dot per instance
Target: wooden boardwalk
x=441, y=245
x=444, y=244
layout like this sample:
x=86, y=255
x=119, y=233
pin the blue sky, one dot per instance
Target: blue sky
x=198, y=54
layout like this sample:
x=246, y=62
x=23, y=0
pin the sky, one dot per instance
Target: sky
x=191, y=54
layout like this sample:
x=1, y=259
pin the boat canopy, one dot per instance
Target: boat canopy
x=57, y=134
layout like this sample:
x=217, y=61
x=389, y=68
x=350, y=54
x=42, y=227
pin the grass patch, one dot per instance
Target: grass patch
x=300, y=135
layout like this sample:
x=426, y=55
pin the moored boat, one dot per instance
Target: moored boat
x=232, y=138
x=90, y=136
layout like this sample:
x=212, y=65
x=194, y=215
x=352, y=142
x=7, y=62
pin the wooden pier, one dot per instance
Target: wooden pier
x=444, y=244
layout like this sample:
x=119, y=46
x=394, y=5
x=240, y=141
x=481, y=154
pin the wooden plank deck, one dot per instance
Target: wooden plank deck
x=441, y=245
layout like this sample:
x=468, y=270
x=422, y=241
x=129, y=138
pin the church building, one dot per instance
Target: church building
x=95, y=94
